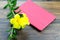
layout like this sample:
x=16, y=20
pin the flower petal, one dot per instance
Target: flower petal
x=17, y=26
x=12, y=20
x=17, y=16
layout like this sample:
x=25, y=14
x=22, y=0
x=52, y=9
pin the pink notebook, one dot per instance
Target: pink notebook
x=38, y=16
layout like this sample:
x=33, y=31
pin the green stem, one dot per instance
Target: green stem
x=11, y=33
x=11, y=7
x=13, y=12
x=9, y=4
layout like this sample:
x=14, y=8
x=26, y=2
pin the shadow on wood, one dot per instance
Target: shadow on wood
x=22, y=35
x=35, y=28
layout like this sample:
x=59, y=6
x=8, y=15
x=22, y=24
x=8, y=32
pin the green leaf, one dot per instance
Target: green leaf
x=5, y=6
x=10, y=16
x=14, y=2
x=9, y=38
x=14, y=32
x=16, y=8
x=21, y=15
x=9, y=30
x=14, y=36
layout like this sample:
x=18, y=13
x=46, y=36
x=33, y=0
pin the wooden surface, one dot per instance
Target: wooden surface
x=52, y=32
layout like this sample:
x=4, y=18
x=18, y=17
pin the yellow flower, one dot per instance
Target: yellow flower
x=19, y=22
x=24, y=21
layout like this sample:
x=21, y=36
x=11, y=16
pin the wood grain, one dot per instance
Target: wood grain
x=52, y=32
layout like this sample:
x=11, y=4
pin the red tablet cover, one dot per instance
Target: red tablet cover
x=38, y=16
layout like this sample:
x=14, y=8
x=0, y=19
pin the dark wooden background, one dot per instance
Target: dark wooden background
x=52, y=32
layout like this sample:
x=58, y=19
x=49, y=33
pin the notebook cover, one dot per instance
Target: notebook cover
x=38, y=16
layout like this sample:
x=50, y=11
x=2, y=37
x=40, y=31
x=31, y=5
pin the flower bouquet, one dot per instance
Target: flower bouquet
x=17, y=21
